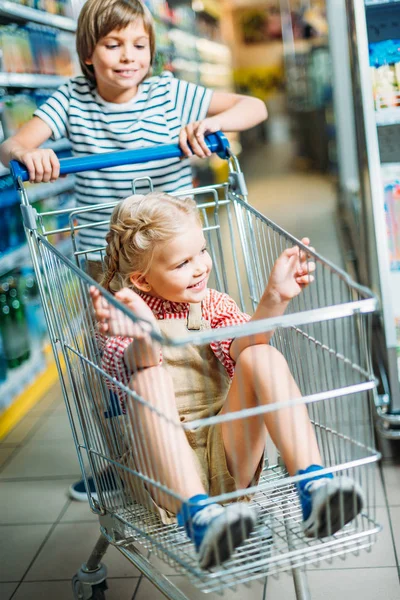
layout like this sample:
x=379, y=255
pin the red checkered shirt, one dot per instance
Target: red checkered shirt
x=217, y=308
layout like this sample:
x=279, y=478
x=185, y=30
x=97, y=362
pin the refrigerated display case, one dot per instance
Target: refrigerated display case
x=365, y=47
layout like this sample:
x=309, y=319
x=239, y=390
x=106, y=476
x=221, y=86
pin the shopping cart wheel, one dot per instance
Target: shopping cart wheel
x=84, y=589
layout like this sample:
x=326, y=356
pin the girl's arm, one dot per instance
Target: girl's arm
x=42, y=164
x=291, y=273
x=142, y=351
x=227, y=112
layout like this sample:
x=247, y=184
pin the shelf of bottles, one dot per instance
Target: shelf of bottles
x=56, y=13
x=22, y=326
x=385, y=74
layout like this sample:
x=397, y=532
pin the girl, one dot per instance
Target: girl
x=157, y=264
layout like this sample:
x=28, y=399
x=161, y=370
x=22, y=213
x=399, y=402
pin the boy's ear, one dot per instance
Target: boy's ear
x=88, y=61
x=139, y=281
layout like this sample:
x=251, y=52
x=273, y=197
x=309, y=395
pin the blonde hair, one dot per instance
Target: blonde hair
x=138, y=224
x=98, y=17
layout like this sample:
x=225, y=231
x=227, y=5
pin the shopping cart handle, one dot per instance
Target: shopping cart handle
x=216, y=142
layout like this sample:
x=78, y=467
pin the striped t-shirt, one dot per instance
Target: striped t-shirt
x=161, y=107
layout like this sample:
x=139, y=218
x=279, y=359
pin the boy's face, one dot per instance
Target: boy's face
x=180, y=268
x=121, y=60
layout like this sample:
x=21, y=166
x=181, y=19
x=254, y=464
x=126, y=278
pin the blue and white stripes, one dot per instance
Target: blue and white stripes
x=162, y=106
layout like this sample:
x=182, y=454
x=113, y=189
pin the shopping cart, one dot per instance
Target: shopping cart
x=324, y=336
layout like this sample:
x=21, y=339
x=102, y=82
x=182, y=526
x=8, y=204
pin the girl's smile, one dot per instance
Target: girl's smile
x=180, y=268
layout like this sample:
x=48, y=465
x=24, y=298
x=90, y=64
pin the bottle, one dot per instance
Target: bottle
x=33, y=307
x=3, y=362
x=13, y=325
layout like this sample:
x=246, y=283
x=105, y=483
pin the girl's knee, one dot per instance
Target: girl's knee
x=261, y=356
x=150, y=378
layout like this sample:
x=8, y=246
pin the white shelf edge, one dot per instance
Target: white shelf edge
x=11, y=9
x=389, y=116
x=45, y=190
x=31, y=80
x=12, y=259
x=380, y=2
x=18, y=379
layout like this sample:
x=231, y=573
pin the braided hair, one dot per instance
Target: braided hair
x=137, y=225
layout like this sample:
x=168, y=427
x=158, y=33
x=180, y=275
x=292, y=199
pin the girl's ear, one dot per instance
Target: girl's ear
x=88, y=61
x=139, y=281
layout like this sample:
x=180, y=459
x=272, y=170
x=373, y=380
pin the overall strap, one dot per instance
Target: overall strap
x=194, y=317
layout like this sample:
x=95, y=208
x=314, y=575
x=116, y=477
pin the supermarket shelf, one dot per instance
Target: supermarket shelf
x=380, y=2
x=17, y=257
x=31, y=80
x=13, y=258
x=58, y=146
x=25, y=13
x=388, y=116
x=19, y=378
x=211, y=8
x=25, y=387
x=42, y=191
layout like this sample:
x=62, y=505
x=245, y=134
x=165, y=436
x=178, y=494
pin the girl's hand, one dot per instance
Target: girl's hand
x=42, y=164
x=112, y=321
x=194, y=133
x=291, y=273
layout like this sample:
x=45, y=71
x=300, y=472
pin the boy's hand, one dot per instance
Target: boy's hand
x=42, y=164
x=194, y=133
x=291, y=272
x=112, y=321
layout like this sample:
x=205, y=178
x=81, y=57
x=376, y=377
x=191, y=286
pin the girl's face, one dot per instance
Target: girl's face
x=121, y=60
x=180, y=268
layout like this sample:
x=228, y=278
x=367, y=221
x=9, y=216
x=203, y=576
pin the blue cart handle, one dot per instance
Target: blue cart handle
x=216, y=142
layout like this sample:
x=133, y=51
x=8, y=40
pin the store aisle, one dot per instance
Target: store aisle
x=45, y=537
x=303, y=203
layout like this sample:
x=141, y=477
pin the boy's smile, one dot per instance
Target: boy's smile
x=121, y=61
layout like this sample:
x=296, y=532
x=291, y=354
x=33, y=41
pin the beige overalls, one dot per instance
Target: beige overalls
x=201, y=385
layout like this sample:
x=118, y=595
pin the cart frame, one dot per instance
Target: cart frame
x=322, y=312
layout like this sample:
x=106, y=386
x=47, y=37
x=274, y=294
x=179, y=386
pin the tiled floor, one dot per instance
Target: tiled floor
x=45, y=537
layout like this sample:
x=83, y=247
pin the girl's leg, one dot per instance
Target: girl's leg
x=162, y=451
x=262, y=376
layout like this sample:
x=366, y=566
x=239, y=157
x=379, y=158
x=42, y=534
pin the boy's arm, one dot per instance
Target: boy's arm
x=227, y=112
x=235, y=112
x=42, y=164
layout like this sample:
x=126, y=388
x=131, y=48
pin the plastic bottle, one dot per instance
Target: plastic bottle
x=3, y=362
x=13, y=325
x=33, y=307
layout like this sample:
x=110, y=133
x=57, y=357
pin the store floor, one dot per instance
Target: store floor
x=45, y=536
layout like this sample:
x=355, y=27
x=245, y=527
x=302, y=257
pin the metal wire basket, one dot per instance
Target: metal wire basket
x=324, y=336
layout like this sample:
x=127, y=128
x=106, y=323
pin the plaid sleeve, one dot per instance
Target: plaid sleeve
x=113, y=362
x=224, y=312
